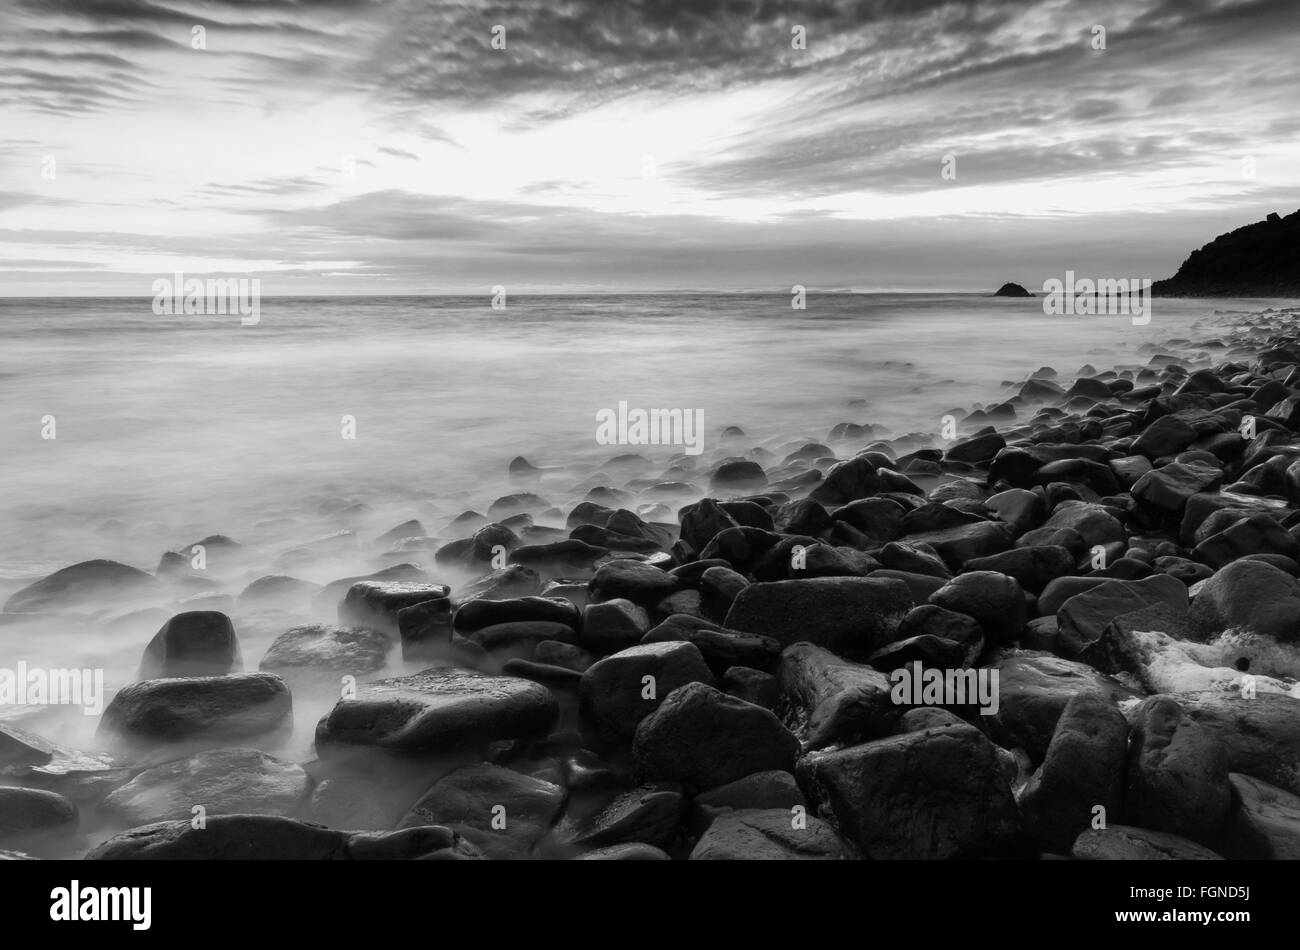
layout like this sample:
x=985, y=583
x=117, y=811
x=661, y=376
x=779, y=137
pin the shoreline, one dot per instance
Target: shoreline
x=1072, y=541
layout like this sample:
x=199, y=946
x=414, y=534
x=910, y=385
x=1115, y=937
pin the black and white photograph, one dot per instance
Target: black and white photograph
x=651, y=431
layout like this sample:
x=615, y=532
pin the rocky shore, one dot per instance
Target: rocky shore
x=700, y=660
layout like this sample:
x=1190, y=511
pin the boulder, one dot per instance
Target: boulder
x=204, y=710
x=616, y=693
x=852, y=614
x=773, y=834
x=826, y=700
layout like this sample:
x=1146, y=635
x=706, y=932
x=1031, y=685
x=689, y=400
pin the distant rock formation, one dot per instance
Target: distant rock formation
x=1012, y=290
x=1259, y=260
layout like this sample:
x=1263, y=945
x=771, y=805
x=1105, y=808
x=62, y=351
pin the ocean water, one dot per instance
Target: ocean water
x=172, y=428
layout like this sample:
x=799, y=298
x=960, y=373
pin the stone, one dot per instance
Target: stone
x=935, y=794
x=1126, y=843
x=828, y=700
x=501, y=812
x=88, y=585
x=614, y=695
x=1263, y=822
x=436, y=710
x=842, y=613
x=994, y=600
x=222, y=781
x=1249, y=596
x=769, y=835
x=703, y=738
x=203, y=710
x=374, y=604
x=1177, y=776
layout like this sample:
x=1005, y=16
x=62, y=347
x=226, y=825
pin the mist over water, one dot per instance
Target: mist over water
x=174, y=428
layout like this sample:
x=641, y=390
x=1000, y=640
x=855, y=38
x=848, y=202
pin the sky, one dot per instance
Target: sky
x=365, y=147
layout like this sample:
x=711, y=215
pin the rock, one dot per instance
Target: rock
x=624, y=852
x=1257, y=534
x=827, y=700
x=520, y=638
x=374, y=604
x=427, y=630
x=1093, y=522
x=702, y=521
x=195, y=643
x=222, y=781
x=1083, y=768
x=979, y=448
x=847, y=481
x=739, y=475
x=962, y=543
x=1126, y=843
x=804, y=517
x=320, y=654
x=879, y=519
x=995, y=600
x=1082, y=618
x=31, y=817
x=1167, y=489
x=360, y=802
x=1263, y=822
x=636, y=581
x=1033, y=567
x=851, y=614
x=268, y=837
x=703, y=738
x=506, y=584
x=931, y=652
x=1177, y=779
x=204, y=709
x=1167, y=435
x=935, y=794
x=930, y=620
x=1019, y=508
x=19, y=748
x=1249, y=596
x=438, y=709
x=774, y=789
x=1012, y=290
x=615, y=695
x=722, y=648
x=1250, y=261
x=277, y=591
x=501, y=812
x=1259, y=737
x=650, y=814
x=719, y=587
x=85, y=586
x=477, y=614
x=330, y=596
x=612, y=626
x=769, y=835
x=753, y=686
x=1033, y=690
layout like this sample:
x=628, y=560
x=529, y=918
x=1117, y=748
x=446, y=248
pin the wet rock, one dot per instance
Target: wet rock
x=842, y=613
x=30, y=818
x=501, y=812
x=271, y=838
x=615, y=694
x=321, y=654
x=1167, y=435
x=703, y=738
x=935, y=794
x=20, y=748
x=702, y=521
x=771, y=835
x=477, y=614
x=1263, y=822
x=650, y=814
x=375, y=604
x=721, y=648
x=1177, y=777
x=1167, y=489
x=1259, y=737
x=195, y=643
x=612, y=626
x=85, y=586
x=847, y=481
x=437, y=709
x=827, y=700
x=739, y=475
x=994, y=600
x=426, y=629
x=205, y=709
x=277, y=591
x=766, y=790
x=624, y=852
x=1083, y=768
x=1082, y=618
x=222, y=781
x=636, y=581
x=1257, y=534
x=1249, y=596
x=1033, y=567
x=962, y=543
x=1033, y=690
x=753, y=686
x=506, y=584
x=1126, y=843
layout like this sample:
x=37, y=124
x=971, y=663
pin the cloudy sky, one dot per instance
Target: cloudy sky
x=362, y=146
